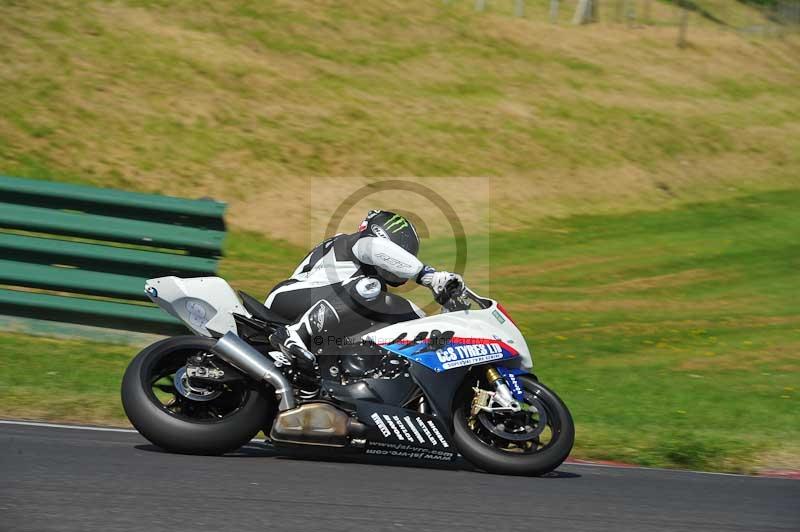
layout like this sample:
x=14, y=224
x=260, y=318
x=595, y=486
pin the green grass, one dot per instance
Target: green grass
x=673, y=336
x=57, y=379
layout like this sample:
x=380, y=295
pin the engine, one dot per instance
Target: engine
x=371, y=365
x=362, y=371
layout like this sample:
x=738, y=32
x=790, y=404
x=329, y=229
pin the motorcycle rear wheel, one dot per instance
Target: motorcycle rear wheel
x=213, y=425
x=493, y=454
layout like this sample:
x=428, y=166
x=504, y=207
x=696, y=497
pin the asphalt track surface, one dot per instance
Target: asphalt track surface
x=89, y=480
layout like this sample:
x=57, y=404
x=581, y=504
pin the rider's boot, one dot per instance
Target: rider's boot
x=289, y=342
x=294, y=340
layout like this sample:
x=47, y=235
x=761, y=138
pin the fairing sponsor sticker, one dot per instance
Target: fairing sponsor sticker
x=465, y=355
x=455, y=353
x=401, y=450
x=399, y=425
x=499, y=317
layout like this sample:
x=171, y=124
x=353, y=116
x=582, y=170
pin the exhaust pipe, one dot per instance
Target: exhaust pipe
x=243, y=356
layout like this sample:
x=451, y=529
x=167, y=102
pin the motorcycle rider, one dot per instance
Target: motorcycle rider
x=340, y=286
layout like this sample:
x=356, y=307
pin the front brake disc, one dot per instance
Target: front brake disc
x=519, y=431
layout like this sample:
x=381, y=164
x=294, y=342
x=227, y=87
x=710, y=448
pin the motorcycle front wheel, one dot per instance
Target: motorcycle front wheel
x=534, y=441
x=184, y=419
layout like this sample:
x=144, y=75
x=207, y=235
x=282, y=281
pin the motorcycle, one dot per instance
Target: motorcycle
x=429, y=389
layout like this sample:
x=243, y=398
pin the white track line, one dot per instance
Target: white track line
x=86, y=427
x=58, y=426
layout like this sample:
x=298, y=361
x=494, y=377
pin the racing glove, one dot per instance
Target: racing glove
x=444, y=285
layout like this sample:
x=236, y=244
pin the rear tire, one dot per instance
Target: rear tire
x=181, y=434
x=495, y=460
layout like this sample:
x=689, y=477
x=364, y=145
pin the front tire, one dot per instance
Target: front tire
x=493, y=455
x=180, y=425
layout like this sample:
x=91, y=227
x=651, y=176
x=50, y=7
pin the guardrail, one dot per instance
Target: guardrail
x=80, y=254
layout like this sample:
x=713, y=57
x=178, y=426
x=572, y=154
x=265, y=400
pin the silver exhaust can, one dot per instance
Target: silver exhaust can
x=246, y=358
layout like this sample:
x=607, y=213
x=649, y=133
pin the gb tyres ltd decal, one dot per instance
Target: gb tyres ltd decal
x=404, y=433
x=456, y=356
x=455, y=352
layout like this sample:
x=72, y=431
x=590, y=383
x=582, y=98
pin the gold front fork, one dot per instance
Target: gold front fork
x=492, y=375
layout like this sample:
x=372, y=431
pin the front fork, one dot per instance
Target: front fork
x=507, y=394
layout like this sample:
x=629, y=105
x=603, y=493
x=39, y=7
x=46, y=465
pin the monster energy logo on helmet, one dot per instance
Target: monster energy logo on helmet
x=398, y=229
x=395, y=223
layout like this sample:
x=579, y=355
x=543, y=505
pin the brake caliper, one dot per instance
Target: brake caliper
x=480, y=401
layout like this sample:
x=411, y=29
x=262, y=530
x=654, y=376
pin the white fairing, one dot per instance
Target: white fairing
x=204, y=304
x=477, y=324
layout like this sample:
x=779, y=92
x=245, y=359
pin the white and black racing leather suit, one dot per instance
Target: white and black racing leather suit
x=339, y=290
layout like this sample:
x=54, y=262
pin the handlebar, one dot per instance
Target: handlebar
x=464, y=300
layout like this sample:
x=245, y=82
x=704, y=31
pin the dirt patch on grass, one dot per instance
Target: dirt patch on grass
x=783, y=460
x=311, y=209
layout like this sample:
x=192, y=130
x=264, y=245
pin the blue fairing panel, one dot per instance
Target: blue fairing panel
x=456, y=353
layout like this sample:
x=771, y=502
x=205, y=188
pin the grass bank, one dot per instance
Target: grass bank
x=247, y=101
x=673, y=336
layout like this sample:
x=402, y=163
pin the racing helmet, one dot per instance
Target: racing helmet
x=394, y=227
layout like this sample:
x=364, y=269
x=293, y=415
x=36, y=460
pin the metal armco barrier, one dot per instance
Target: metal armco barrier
x=79, y=254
